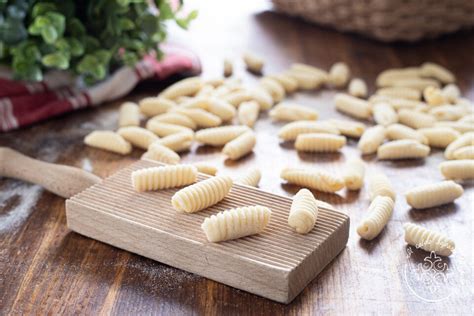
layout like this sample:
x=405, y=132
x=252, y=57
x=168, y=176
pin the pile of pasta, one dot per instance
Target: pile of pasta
x=412, y=110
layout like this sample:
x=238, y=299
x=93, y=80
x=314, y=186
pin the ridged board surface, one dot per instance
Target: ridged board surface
x=278, y=248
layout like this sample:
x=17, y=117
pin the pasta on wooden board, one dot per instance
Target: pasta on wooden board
x=433, y=96
x=218, y=136
x=251, y=177
x=313, y=179
x=319, y=142
x=202, y=194
x=397, y=103
x=380, y=211
x=380, y=185
x=293, y=112
x=228, y=68
x=177, y=142
x=290, y=84
x=248, y=113
x=428, y=240
x=403, y=149
x=451, y=93
x=129, y=114
x=161, y=153
x=462, y=141
x=108, y=140
x=415, y=119
x=464, y=153
x=176, y=119
x=291, y=130
x=437, y=72
x=357, y=88
x=164, y=129
x=384, y=114
x=240, y=146
x=253, y=62
x=400, y=92
x=274, y=88
x=206, y=168
x=439, y=137
x=371, y=139
x=153, y=106
x=399, y=131
x=164, y=177
x=354, y=172
x=303, y=212
x=352, y=106
x=457, y=169
x=339, y=74
x=185, y=87
x=348, y=128
x=137, y=136
x=236, y=223
x=433, y=194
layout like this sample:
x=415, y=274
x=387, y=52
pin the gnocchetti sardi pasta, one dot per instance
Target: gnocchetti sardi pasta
x=290, y=84
x=175, y=118
x=354, y=172
x=253, y=62
x=357, y=88
x=202, y=118
x=348, y=128
x=402, y=149
x=352, y=106
x=248, y=113
x=447, y=112
x=306, y=80
x=320, y=75
x=400, y=92
x=428, y=240
x=236, y=223
x=415, y=119
x=185, y=87
x=137, y=136
x=464, y=153
x=251, y=177
x=451, y=93
x=384, y=114
x=433, y=96
x=437, y=72
x=129, y=114
x=163, y=177
x=397, y=103
x=153, y=106
x=433, y=194
x=303, y=212
x=439, y=137
x=224, y=110
x=291, y=130
x=240, y=146
x=461, y=127
x=206, y=168
x=313, y=179
x=108, y=140
x=380, y=211
x=389, y=76
x=399, y=131
x=274, y=88
x=380, y=185
x=286, y=111
x=177, y=142
x=218, y=136
x=319, y=142
x=371, y=139
x=164, y=129
x=462, y=141
x=339, y=74
x=416, y=83
x=161, y=153
x=457, y=169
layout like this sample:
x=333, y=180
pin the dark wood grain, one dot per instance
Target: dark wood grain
x=46, y=269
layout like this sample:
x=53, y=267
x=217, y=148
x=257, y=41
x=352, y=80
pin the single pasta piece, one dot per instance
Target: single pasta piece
x=153, y=106
x=129, y=114
x=274, y=88
x=451, y=93
x=137, y=136
x=354, y=173
x=318, y=75
x=176, y=119
x=303, y=212
x=201, y=117
x=462, y=141
x=349, y=128
x=248, y=113
x=459, y=126
x=164, y=129
x=194, y=103
x=236, y=223
x=372, y=138
x=400, y=92
x=358, y=88
x=379, y=185
x=380, y=211
x=384, y=114
x=218, y=136
x=164, y=177
x=253, y=62
x=403, y=149
x=224, y=110
x=415, y=119
x=399, y=131
x=319, y=142
x=352, y=106
x=428, y=240
x=108, y=140
x=291, y=130
x=457, y=169
x=416, y=83
x=389, y=76
x=306, y=80
x=228, y=68
x=185, y=87
x=206, y=91
x=434, y=194
x=293, y=112
x=313, y=179
x=251, y=177
x=202, y=194
x=205, y=168
x=161, y=153
x=290, y=84
x=447, y=112
x=433, y=96
x=397, y=103
x=240, y=146
x=339, y=74
x=177, y=142
x=464, y=153
x=437, y=72
x=263, y=98
x=439, y=137
x=237, y=97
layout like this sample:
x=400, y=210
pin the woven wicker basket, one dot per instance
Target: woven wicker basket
x=386, y=20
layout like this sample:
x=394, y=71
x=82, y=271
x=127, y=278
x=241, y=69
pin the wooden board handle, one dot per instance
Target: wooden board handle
x=62, y=180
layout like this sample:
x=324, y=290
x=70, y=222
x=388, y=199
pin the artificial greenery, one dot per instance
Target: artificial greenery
x=89, y=37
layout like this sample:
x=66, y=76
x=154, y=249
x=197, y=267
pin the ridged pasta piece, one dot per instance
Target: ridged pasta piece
x=457, y=169
x=389, y=76
x=469, y=118
x=433, y=96
x=428, y=240
x=400, y=92
x=221, y=108
x=263, y=98
x=403, y=149
x=185, y=87
x=176, y=119
x=205, y=91
x=161, y=153
x=137, y=136
x=291, y=130
x=290, y=84
x=339, y=74
x=164, y=129
x=163, y=177
x=253, y=62
x=319, y=142
x=416, y=83
x=399, y=131
x=237, y=97
x=293, y=112
x=129, y=114
x=108, y=140
x=397, y=103
x=306, y=80
x=236, y=223
x=251, y=177
x=218, y=136
x=313, y=179
x=464, y=153
x=194, y=103
x=202, y=194
x=433, y=194
x=462, y=141
x=371, y=139
x=459, y=126
x=451, y=93
x=447, y=112
x=201, y=117
x=349, y=128
x=153, y=106
x=319, y=75
x=379, y=185
x=439, y=137
x=415, y=119
x=380, y=211
x=384, y=114
x=437, y=72
x=228, y=68
x=354, y=172
x=240, y=146
x=248, y=113
x=303, y=212
x=357, y=88
x=352, y=106
x=206, y=168
x=177, y=142
x=274, y=88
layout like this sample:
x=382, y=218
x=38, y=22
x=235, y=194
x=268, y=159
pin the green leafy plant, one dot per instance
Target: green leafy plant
x=89, y=37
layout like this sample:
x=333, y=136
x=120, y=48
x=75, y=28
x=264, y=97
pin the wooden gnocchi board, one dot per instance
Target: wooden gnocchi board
x=276, y=264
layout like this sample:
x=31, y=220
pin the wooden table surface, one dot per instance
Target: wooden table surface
x=45, y=268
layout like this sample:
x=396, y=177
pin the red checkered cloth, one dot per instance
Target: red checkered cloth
x=25, y=103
